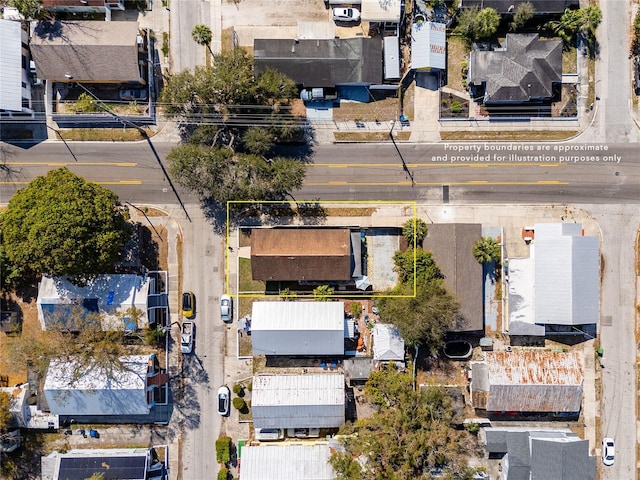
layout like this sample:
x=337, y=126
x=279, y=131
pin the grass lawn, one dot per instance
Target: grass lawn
x=570, y=61
x=457, y=52
x=369, y=136
x=381, y=110
x=524, y=135
x=247, y=284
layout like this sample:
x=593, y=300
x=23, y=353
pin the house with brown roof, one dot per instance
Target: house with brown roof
x=451, y=245
x=305, y=254
x=88, y=52
x=528, y=381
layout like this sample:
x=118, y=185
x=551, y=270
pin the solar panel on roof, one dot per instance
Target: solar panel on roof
x=112, y=468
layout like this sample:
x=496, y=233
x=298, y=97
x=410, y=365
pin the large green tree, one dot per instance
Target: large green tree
x=583, y=21
x=409, y=434
x=523, y=13
x=414, y=231
x=220, y=175
x=415, y=265
x=423, y=319
x=226, y=99
x=62, y=225
x=30, y=9
x=475, y=24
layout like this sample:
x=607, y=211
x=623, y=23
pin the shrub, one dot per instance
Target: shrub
x=473, y=428
x=238, y=389
x=456, y=107
x=223, y=449
x=223, y=474
x=356, y=309
x=250, y=386
x=239, y=403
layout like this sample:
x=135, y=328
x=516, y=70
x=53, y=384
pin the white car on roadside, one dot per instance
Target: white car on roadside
x=608, y=451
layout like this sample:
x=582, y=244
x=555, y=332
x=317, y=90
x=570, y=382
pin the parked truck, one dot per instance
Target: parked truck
x=186, y=337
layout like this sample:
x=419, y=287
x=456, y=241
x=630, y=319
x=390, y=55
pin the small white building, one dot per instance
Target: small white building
x=387, y=343
x=428, y=46
x=286, y=462
x=298, y=401
x=298, y=328
x=128, y=391
x=106, y=296
x=15, y=85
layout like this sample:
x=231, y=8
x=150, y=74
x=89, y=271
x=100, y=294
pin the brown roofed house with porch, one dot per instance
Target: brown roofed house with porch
x=301, y=254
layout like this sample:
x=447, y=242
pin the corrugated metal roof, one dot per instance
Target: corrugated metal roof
x=428, y=46
x=10, y=65
x=298, y=401
x=320, y=389
x=567, y=275
x=391, y=58
x=532, y=381
x=286, y=462
x=297, y=328
x=297, y=316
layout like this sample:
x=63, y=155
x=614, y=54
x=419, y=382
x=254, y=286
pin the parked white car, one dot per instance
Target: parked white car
x=346, y=15
x=226, y=309
x=608, y=451
x=269, y=434
x=224, y=400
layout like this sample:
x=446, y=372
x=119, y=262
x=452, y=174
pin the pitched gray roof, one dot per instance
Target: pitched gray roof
x=505, y=6
x=561, y=460
x=322, y=63
x=88, y=51
x=526, y=69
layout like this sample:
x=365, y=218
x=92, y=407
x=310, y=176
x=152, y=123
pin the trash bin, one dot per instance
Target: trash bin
x=93, y=433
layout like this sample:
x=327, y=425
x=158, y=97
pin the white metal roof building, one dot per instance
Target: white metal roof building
x=298, y=401
x=559, y=284
x=286, y=462
x=297, y=328
x=106, y=295
x=14, y=84
x=567, y=275
x=391, y=48
x=95, y=393
x=428, y=46
x=387, y=343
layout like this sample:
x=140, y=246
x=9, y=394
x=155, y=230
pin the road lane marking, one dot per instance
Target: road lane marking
x=434, y=184
x=84, y=164
x=115, y=182
x=439, y=164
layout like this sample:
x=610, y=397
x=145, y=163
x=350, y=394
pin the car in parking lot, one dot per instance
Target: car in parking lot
x=224, y=400
x=226, y=308
x=346, y=14
x=188, y=304
x=608, y=451
x=133, y=94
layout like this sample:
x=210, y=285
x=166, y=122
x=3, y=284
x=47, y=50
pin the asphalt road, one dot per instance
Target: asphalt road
x=364, y=172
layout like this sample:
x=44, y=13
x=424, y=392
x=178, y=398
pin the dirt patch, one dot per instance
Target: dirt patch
x=453, y=106
x=369, y=136
x=457, y=58
x=567, y=106
x=105, y=134
x=542, y=135
x=381, y=110
x=350, y=212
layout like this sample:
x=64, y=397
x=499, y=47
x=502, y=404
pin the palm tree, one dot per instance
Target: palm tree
x=414, y=230
x=202, y=36
x=486, y=250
